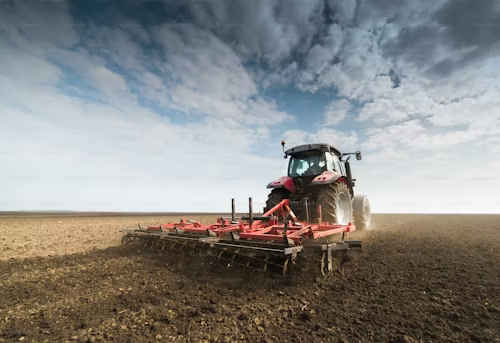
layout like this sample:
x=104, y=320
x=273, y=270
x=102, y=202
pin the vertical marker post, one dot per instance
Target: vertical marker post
x=232, y=210
x=250, y=211
x=306, y=203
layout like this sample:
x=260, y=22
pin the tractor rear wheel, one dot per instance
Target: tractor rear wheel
x=275, y=197
x=362, y=212
x=336, y=204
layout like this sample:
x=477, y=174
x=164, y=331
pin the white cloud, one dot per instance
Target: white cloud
x=383, y=110
x=73, y=152
x=320, y=55
x=25, y=24
x=108, y=81
x=336, y=111
x=345, y=9
x=210, y=79
x=267, y=30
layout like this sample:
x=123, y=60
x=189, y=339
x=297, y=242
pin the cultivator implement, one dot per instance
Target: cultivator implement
x=274, y=241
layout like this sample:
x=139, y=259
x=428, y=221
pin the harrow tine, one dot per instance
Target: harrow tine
x=235, y=254
x=285, y=267
x=265, y=262
x=340, y=262
x=322, y=264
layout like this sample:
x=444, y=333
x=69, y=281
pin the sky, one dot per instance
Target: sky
x=181, y=105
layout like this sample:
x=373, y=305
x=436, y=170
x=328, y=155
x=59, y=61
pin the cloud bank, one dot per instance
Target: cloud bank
x=169, y=105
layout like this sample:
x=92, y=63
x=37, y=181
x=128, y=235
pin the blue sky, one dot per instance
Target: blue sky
x=181, y=105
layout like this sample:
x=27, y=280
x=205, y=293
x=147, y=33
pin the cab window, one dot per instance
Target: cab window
x=306, y=164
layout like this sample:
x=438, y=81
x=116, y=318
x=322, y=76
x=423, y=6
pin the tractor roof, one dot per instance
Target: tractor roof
x=311, y=147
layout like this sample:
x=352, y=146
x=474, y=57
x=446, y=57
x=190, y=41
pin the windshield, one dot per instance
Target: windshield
x=307, y=164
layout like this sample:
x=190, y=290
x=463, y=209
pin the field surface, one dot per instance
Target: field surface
x=419, y=278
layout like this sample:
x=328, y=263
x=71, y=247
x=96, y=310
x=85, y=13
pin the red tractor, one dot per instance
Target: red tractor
x=320, y=183
x=307, y=216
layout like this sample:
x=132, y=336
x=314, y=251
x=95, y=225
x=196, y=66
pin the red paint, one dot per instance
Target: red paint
x=283, y=182
x=260, y=230
x=326, y=177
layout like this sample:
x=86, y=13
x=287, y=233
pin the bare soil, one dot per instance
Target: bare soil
x=419, y=278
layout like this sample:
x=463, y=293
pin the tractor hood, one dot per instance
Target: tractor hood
x=326, y=177
x=283, y=182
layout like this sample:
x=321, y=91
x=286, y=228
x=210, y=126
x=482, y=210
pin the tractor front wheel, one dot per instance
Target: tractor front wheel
x=336, y=204
x=275, y=197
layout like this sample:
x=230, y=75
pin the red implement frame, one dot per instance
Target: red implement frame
x=277, y=224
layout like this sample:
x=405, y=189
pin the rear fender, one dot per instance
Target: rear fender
x=326, y=177
x=285, y=182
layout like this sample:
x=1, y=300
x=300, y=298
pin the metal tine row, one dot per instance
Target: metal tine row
x=233, y=257
x=258, y=262
x=228, y=257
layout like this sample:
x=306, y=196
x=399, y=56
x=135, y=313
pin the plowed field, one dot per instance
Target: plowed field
x=419, y=278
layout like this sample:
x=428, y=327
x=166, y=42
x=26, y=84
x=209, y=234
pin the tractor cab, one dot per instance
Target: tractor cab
x=313, y=159
x=313, y=164
x=307, y=164
x=318, y=164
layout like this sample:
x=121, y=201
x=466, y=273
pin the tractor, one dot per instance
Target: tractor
x=306, y=221
x=319, y=176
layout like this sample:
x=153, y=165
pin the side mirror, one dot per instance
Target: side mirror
x=358, y=155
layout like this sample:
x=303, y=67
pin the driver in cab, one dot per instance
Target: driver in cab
x=317, y=165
